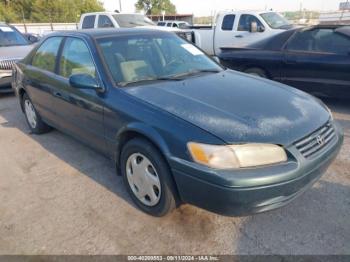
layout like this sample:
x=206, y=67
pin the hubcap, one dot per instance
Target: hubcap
x=30, y=113
x=143, y=179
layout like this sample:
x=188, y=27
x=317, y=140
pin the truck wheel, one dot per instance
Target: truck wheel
x=147, y=177
x=256, y=72
x=35, y=123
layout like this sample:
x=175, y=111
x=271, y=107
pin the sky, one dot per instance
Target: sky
x=206, y=7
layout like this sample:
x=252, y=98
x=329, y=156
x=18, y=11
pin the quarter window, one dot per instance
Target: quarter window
x=227, y=23
x=245, y=22
x=45, y=57
x=89, y=22
x=104, y=21
x=76, y=59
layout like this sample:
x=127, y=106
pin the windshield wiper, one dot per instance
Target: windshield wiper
x=178, y=77
x=123, y=84
x=194, y=72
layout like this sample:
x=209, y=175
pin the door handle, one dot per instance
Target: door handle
x=239, y=36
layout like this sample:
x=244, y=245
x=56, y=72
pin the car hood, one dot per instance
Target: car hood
x=15, y=52
x=238, y=108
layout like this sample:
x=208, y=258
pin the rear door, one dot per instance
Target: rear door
x=88, y=22
x=224, y=34
x=41, y=78
x=318, y=61
x=80, y=110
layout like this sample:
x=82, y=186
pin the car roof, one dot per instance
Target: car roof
x=241, y=12
x=110, y=13
x=98, y=33
x=343, y=29
x=171, y=21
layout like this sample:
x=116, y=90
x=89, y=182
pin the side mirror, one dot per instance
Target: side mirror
x=84, y=81
x=261, y=29
x=253, y=27
x=32, y=39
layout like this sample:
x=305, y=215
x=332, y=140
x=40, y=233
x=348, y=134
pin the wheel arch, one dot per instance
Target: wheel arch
x=251, y=66
x=21, y=93
x=141, y=130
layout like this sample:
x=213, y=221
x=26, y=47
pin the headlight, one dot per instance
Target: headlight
x=236, y=156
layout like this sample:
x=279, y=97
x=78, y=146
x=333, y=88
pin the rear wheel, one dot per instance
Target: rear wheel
x=35, y=123
x=147, y=177
x=256, y=72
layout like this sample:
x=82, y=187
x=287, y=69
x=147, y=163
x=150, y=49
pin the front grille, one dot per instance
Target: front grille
x=315, y=142
x=7, y=64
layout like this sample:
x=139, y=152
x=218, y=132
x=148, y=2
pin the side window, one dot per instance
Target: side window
x=175, y=25
x=76, y=59
x=104, y=21
x=245, y=22
x=89, y=22
x=320, y=40
x=168, y=24
x=301, y=41
x=45, y=57
x=329, y=41
x=227, y=23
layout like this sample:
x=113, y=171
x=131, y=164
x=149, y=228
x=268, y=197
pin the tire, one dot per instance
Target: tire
x=34, y=121
x=141, y=188
x=256, y=72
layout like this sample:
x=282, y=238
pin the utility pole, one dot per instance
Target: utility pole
x=120, y=5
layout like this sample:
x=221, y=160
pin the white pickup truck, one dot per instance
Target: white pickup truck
x=127, y=20
x=236, y=29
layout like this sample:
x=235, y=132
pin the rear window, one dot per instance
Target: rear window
x=227, y=23
x=89, y=22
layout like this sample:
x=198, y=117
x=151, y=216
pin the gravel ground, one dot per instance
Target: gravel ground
x=59, y=197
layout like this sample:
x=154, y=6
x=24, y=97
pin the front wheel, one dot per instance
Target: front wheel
x=147, y=178
x=35, y=123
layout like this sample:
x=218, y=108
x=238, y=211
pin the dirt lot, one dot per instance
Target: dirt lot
x=59, y=197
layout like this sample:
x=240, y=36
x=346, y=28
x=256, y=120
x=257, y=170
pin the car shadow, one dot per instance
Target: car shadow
x=66, y=148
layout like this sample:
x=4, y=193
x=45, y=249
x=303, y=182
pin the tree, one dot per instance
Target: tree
x=155, y=7
x=64, y=11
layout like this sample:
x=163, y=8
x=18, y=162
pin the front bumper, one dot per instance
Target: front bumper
x=244, y=192
x=5, y=81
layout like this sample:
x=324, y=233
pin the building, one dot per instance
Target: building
x=179, y=17
x=342, y=16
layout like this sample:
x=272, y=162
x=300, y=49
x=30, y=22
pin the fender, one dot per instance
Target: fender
x=143, y=130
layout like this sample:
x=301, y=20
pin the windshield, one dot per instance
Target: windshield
x=132, y=20
x=155, y=57
x=275, y=20
x=11, y=37
x=184, y=25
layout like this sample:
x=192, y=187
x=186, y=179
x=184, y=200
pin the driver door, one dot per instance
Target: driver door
x=80, y=111
x=244, y=34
